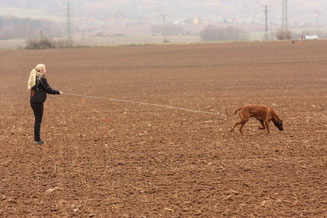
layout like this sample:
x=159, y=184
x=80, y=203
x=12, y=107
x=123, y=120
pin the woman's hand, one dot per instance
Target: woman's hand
x=60, y=93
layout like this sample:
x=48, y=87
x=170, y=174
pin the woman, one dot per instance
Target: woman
x=39, y=88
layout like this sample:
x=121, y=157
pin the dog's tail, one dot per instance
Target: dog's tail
x=229, y=115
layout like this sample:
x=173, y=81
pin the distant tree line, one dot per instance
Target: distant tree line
x=170, y=29
x=13, y=28
x=46, y=42
x=285, y=35
x=214, y=33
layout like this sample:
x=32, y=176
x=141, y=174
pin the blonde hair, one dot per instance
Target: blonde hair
x=34, y=72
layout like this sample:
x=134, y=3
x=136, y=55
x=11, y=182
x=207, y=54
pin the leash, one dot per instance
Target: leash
x=148, y=104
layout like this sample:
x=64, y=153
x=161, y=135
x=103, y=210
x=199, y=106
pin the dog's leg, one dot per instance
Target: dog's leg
x=244, y=118
x=235, y=125
x=267, y=125
x=262, y=127
x=242, y=125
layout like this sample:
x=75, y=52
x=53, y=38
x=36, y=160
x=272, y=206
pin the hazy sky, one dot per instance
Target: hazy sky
x=314, y=11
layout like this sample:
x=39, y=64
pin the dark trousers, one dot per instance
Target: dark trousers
x=38, y=114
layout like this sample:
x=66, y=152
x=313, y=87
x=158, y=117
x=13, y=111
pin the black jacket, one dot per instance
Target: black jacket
x=40, y=90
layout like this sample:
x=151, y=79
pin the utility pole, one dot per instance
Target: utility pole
x=266, y=22
x=284, y=16
x=317, y=17
x=69, y=37
x=164, y=27
x=83, y=37
x=27, y=35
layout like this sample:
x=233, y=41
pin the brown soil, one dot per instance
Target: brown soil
x=151, y=161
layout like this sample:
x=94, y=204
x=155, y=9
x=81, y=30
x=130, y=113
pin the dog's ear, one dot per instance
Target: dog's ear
x=281, y=119
x=274, y=117
x=278, y=118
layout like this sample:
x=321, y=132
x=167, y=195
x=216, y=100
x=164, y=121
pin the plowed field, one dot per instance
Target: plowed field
x=106, y=157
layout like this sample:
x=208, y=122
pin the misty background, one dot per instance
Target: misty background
x=104, y=22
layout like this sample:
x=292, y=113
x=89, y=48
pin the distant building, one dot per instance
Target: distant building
x=311, y=37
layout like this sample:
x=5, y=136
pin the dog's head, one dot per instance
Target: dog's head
x=278, y=123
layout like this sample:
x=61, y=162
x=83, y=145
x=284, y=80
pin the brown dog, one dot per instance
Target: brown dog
x=262, y=113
